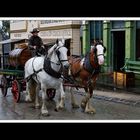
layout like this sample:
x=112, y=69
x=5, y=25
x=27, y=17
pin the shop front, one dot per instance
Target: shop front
x=122, y=58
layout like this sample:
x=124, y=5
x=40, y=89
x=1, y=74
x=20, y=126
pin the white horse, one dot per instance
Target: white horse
x=46, y=72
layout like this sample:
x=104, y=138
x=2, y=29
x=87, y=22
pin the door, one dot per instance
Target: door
x=67, y=45
x=118, y=44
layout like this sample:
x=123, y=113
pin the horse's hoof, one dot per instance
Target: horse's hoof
x=37, y=107
x=28, y=99
x=83, y=105
x=56, y=109
x=59, y=108
x=45, y=113
x=90, y=111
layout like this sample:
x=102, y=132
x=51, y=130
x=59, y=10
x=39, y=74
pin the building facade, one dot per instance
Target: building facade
x=122, y=40
x=0, y=44
x=50, y=30
x=91, y=30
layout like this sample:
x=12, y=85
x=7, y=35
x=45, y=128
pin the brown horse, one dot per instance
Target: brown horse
x=84, y=72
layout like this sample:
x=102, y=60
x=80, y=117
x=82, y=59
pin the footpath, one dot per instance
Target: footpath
x=116, y=95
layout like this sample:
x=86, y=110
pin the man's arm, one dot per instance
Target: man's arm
x=30, y=44
x=41, y=42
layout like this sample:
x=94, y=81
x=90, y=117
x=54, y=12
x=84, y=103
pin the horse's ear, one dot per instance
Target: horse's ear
x=57, y=41
x=63, y=40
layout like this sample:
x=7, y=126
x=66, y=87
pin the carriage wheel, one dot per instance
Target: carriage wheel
x=51, y=93
x=4, y=86
x=16, y=88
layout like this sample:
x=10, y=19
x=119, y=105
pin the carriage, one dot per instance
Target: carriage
x=20, y=66
x=13, y=58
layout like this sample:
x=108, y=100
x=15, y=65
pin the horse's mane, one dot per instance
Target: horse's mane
x=50, y=51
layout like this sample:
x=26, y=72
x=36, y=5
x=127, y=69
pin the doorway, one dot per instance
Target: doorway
x=118, y=44
x=67, y=45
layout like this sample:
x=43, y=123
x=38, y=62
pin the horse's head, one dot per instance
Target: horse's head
x=60, y=51
x=100, y=50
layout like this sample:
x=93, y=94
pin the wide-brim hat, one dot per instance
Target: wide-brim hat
x=35, y=31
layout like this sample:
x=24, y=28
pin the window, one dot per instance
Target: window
x=118, y=24
x=138, y=44
x=96, y=30
x=50, y=21
x=15, y=21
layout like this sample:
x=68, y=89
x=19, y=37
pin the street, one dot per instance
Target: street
x=106, y=109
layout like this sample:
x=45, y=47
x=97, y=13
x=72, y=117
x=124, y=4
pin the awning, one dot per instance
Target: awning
x=10, y=41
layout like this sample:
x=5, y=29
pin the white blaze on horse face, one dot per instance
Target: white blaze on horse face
x=63, y=56
x=100, y=54
x=61, y=43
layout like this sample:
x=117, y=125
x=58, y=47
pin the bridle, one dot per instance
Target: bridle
x=95, y=51
x=58, y=55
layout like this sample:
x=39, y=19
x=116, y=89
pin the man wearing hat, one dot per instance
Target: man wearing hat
x=36, y=43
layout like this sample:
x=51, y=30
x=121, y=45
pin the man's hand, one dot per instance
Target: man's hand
x=34, y=47
x=43, y=46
